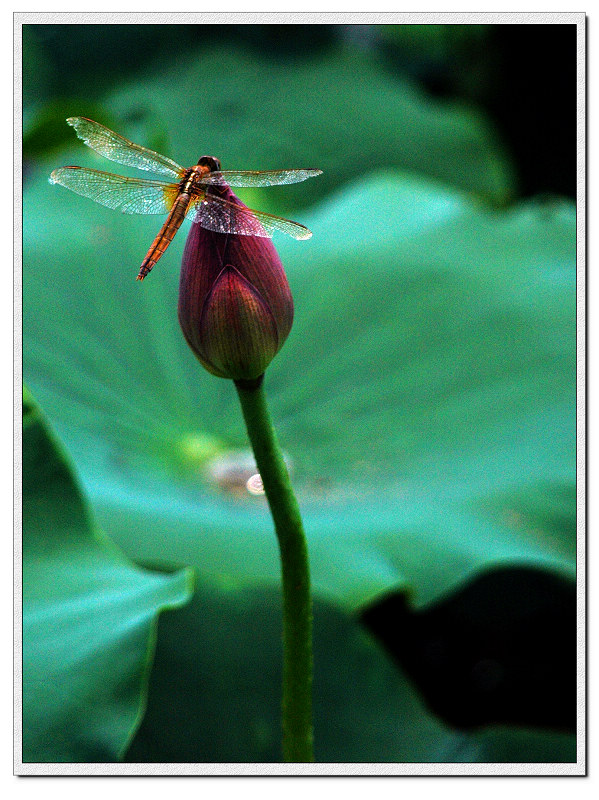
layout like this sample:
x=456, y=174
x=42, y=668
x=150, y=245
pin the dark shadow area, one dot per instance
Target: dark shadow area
x=522, y=76
x=533, y=101
x=502, y=650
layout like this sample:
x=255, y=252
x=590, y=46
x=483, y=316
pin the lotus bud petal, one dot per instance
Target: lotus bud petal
x=235, y=305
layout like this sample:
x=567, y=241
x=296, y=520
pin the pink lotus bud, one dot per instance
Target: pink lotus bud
x=235, y=305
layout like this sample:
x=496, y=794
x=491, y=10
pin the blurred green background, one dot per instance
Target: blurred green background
x=425, y=399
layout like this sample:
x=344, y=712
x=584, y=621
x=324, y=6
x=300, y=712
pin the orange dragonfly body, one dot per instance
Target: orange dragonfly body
x=200, y=193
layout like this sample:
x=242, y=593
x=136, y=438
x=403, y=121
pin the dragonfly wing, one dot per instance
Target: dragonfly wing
x=129, y=195
x=116, y=148
x=216, y=214
x=264, y=178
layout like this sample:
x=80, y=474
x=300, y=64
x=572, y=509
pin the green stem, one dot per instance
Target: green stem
x=297, y=603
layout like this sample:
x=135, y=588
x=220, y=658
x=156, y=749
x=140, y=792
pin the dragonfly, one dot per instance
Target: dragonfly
x=200, y=193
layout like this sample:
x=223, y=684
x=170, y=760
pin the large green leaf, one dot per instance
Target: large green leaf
x=89, y=616
x=217, y=677
x=425, y=397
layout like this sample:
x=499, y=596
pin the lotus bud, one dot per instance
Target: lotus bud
x=235, y=304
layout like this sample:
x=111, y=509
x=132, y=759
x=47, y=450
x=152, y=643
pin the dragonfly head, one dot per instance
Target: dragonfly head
x=212, y=163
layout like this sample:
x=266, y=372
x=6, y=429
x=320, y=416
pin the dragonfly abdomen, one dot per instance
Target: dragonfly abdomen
x=165, y=235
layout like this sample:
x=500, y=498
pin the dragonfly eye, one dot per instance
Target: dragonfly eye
x=212, y=163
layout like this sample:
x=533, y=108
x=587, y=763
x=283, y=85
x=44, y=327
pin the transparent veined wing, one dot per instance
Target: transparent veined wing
x=259, y=178
x=129, y=195
x=216, y=214
x=116, y=148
